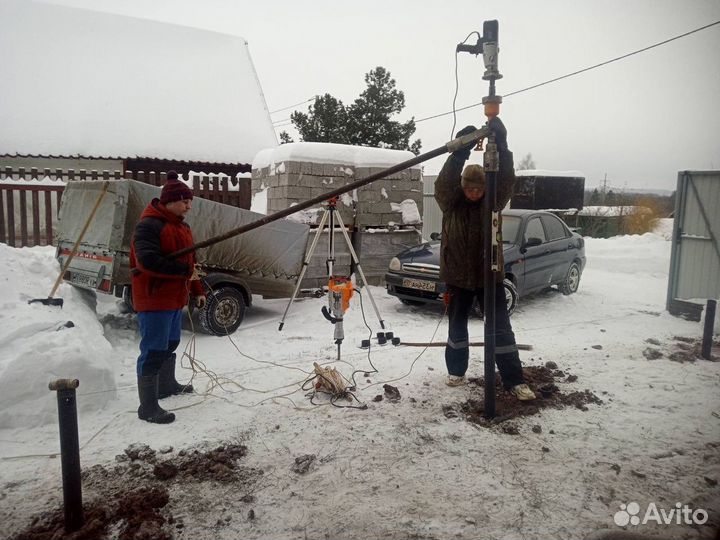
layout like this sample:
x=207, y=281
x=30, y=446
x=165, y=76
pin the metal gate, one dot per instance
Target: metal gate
x=695, y=256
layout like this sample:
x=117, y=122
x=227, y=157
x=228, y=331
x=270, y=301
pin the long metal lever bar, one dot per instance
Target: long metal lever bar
x=451, y=146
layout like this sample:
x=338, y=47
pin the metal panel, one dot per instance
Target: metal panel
x=432, y=216
x=695, y=256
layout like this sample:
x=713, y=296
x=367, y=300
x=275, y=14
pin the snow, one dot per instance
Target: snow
x=126, y=87
x=612, y=211
x=395, y=470
x=39, y=181
x=410, y=212
x=259, y=200
x=331, y=153
x=544, y=172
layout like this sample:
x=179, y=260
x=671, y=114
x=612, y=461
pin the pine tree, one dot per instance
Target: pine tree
x=366, y=122
x=326, y=121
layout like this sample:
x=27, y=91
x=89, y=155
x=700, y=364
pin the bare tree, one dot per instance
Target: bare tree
x=526, y=163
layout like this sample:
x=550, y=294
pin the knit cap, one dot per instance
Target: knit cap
x=174, y=190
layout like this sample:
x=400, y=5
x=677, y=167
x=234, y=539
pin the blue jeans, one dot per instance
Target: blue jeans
x=159, y=336
x=457, y=351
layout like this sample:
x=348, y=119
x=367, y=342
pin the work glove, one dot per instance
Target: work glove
x=464, y=152
x=496, y=125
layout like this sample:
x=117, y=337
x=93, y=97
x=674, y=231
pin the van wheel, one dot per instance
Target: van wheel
x=223, y=312
x=511, y=297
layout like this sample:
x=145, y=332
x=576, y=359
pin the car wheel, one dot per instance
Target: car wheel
x=411, y=302
x=511, y=298
x=223, y=312
x=572, y=280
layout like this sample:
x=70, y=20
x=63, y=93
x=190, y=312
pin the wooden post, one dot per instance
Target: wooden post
x=36, y=217
x=2, y=216
x=11, y=217
x=216, y=195
x=48, y=218
x=23, y=218
x=225, y=189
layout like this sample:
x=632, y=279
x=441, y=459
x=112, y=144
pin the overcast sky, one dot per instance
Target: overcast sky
x=638, y=121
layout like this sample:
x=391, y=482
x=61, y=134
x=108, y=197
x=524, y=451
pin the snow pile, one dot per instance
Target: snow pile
x=39, y=345
x=259, y=200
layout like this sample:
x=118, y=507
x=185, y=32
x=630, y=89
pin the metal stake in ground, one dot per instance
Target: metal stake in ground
x=487, y=45
x=708, y=329
x=69, y=452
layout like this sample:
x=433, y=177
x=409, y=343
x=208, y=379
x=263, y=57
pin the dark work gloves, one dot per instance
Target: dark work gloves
x=464, y=153
x=496, y=125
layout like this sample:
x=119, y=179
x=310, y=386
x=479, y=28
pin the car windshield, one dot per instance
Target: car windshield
x=510, y=226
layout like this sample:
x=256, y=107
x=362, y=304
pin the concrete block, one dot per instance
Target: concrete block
x=362, y=172
x=376, y=250
x=381, y=207
x=318, y=169
x=293, y=167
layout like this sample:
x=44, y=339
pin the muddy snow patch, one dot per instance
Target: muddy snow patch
x=133, y=498
x=543, y=380
x=680, y=349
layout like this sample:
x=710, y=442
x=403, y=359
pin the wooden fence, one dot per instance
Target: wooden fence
x=30, y=198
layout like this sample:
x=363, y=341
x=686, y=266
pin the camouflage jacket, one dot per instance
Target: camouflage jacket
x=461, y=251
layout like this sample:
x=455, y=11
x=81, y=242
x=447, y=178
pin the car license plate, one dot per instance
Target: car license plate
x=82, y=279
x=419, y=284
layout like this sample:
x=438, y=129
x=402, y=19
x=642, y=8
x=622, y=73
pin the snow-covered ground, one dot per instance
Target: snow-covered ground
x=395, y=470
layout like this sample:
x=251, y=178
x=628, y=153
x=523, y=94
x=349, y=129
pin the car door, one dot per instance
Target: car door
x=535, y=256
x=560, y=248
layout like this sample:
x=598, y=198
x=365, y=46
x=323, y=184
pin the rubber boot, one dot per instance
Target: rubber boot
x=149, y=409
x=168, y=385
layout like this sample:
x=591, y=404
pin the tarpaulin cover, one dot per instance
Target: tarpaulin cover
x=275, y=250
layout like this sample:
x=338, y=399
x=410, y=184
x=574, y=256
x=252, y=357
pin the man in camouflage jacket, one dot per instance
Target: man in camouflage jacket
x=459, y=193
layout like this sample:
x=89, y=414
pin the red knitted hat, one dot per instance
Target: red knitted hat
x=174, y=190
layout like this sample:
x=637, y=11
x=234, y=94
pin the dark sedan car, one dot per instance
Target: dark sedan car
x=538, y=248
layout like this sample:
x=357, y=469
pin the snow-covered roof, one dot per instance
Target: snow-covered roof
x=341, y=154
x=79, y=82
x=545, y=172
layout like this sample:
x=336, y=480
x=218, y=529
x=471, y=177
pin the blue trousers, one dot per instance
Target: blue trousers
x=159, y=337
x=457, y=351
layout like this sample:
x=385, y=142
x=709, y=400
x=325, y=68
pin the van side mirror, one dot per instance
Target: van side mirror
x=532, y=242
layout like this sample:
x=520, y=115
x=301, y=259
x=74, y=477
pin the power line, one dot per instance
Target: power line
x=293, y=106
x=578, y=71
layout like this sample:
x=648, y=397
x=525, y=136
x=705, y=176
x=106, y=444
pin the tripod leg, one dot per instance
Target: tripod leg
x=359, y=269
x=306, y=263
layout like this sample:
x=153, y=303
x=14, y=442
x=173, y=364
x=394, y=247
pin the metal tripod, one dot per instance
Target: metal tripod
x=334, y=311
